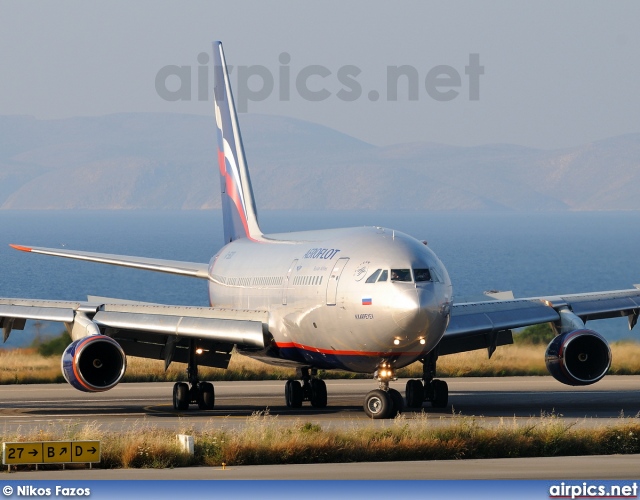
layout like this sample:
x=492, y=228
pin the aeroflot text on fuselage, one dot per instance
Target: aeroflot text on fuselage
x=321, y=253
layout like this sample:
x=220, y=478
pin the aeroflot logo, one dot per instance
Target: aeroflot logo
x=321, y=253
x=317, y=83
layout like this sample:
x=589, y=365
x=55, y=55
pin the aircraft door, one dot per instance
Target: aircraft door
x=332, y=285
x=285, y=288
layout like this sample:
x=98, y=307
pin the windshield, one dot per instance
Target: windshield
x=422, y=275
x=374, y=276
x=400, y=275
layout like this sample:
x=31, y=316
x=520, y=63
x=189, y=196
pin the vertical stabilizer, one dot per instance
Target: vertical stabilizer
x=238, y=205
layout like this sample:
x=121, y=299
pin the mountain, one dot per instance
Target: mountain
x=167, y=161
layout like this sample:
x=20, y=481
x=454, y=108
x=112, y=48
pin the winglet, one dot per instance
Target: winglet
x=20, y=247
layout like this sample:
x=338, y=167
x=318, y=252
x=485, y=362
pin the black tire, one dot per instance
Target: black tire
x=318, y=393
x=181, y=397
x=293, y=394
x=287, y=393
x=378, y=404
x=206, y=396
x=415, y=393
x=440, y=394
x=397, y=401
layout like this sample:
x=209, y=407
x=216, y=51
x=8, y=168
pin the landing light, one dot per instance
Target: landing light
x=396, y=342
x=423, y=341
x=385, y=373
x=199, y=350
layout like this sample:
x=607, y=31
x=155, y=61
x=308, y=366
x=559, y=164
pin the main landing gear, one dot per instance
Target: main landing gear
x=198, y=392
x=312, y=389
x=383, y=402
x=434, y=390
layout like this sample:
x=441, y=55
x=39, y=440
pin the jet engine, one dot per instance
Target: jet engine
x=94, y=364
x=579, y=357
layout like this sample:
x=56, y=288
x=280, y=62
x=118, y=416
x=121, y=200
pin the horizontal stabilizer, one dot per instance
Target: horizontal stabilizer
x=193, y=269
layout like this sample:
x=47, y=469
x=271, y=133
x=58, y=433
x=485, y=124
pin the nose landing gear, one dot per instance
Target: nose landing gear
x=435, y=391
x=383, y=402
x=312, y=389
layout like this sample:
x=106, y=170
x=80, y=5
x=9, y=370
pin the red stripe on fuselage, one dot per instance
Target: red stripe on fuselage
x=366, y=354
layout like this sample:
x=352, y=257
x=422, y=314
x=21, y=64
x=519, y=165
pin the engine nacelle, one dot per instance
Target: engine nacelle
x=94, y=364
x=579, y=357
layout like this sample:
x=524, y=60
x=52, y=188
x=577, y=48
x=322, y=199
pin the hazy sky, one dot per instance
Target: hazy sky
x=553, y=74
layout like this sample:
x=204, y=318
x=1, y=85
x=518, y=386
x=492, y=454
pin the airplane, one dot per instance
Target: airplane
x=367, y=300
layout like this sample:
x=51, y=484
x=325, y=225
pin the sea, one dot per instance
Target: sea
x=531, y=254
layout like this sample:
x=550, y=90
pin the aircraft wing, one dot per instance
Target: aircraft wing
x=192, y=269
x=148, y=330
x=476, y=325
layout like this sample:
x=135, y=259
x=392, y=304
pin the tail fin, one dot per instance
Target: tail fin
x=238, y=205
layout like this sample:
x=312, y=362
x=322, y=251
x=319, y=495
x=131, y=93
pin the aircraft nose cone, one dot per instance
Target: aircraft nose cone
x=410, y=313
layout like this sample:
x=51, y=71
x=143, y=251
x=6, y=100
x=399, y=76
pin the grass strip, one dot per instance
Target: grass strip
x=265, y=440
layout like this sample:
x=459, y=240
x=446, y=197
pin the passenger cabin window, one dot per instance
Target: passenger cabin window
x=422, y=275
x=400, y=275
x=384, y=275
x=374, y=276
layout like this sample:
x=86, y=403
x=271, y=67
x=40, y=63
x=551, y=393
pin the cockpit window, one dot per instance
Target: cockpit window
x=422, y=275
x=374, y=276
x=400, y=275
x=384, y=275
x=435, y=276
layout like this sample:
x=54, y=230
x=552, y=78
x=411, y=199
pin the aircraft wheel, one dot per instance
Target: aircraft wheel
x=181, y=396
x=318, y=393
x=378, y=404
x=293, y=394
x=440, y=394
x=415, y=393
x=206, y=396
x=397, y=401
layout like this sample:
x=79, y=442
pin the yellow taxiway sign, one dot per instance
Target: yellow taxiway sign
x=51, y=452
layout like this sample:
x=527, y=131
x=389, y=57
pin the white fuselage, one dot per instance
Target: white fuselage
x=326, y=309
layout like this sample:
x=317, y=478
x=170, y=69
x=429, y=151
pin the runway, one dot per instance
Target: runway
x=551, y=468
x=32, y=406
